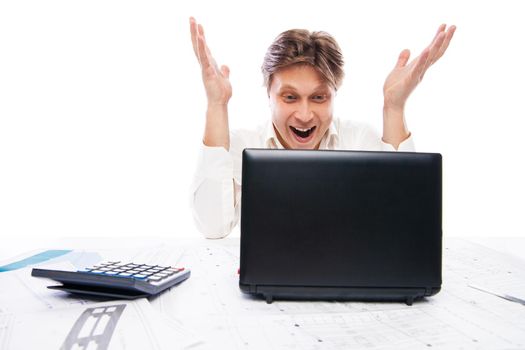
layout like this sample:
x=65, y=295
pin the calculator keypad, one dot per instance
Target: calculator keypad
x=149, y=273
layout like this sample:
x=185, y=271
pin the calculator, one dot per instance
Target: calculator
x=116, y=279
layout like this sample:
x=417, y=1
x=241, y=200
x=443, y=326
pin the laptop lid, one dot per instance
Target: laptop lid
x=340, y=224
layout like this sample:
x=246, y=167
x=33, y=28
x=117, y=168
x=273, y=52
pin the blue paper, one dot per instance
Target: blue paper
x=35, y=259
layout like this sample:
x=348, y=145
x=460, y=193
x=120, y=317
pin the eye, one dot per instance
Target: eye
x=289, y=97
x=319, y=98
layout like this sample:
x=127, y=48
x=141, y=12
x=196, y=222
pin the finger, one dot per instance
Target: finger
x=403, y=58
x=440, y=29
x=225, y=70
x=201, y=30
x=448, y=37
x=436, y=37
x=202, y=52
x=211, y=60
x=200, y=47
x=421, y=66
x=434, y=49
x=193, y=31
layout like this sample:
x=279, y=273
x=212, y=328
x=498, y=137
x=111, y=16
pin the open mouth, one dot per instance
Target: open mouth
x=303, y=133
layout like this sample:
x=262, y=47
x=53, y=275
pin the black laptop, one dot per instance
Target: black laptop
x=341, y=225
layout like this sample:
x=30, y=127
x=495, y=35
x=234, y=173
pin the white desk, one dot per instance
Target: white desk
x=210, y=304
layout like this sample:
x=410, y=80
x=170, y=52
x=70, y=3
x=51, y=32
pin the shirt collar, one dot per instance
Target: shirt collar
x=270, y=137
x=329, y=141
x=331, y=138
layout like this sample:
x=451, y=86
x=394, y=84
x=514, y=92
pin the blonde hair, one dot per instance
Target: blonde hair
x=299, y=46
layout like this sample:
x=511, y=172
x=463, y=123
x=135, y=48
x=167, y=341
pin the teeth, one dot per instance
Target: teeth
x=302, y=133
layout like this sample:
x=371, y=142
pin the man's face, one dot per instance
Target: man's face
x=302, y=105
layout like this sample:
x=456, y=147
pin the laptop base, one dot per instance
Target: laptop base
x=407, y=295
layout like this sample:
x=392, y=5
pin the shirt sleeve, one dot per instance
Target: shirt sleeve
x=406, y=146
x=362, y=136
x=213, y=193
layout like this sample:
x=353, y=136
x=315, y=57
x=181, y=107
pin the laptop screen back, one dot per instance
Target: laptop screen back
x=340, y=219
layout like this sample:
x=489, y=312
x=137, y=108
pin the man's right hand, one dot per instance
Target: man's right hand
x=216, y=80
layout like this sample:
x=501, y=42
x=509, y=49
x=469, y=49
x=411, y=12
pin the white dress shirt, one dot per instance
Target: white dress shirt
x=216, y=190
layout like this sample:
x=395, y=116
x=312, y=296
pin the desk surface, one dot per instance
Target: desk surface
x=211, y=305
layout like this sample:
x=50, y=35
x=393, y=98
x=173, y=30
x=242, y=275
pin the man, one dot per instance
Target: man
x=302, y=71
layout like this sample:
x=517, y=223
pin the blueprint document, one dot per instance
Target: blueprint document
x=33, y=316
x=208, y=311
x=108, y=325
x=457, y=317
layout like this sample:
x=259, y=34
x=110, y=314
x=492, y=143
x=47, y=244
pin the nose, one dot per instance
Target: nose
x=304, y=112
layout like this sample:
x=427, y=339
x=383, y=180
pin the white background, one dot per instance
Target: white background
x=102, y=106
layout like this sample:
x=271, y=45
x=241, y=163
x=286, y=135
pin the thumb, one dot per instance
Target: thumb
x=403, y=58
x=225, y=71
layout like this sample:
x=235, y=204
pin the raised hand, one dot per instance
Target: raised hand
x=405, y=77
x=216, y=80
x=218, y=90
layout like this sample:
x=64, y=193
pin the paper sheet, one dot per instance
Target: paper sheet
x=28, y=306
x=109, y=325
x=211, y=303
x=209, y=310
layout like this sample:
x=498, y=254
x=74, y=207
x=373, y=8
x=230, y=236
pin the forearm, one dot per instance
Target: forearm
x=395, y=129
x=216, y=130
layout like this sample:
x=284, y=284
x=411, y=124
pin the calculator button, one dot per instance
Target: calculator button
x=153, y=273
